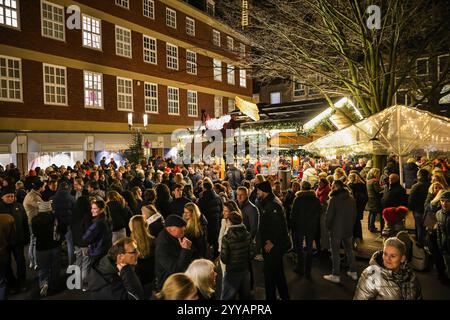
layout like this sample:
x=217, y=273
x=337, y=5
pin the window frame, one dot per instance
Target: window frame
x=126, y=94
x=428, y=67
x=168, y=20
x=52, y=21
x=8, y=99
x=66, y=103
x=295, y=82
x=100, y=34
x=152, y=16
x=121, y=4
x=234, y=105
x=241, y=78
x=172, y=57
x=233, y=68
x=150, y=98
x=169, y=100
x=144, y=49
x=192, y=34
x=272, y=95
x=447, y=56
x=215, y=68
x=230, y=48
x=216, y=106
x=102, y=107
x=17, y=10
x=193, y=65
x=216, y=40
x=190, y=104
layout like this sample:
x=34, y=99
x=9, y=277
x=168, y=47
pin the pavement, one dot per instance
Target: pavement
x=300, y=288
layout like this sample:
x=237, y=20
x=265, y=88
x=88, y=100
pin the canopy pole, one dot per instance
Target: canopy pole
x=399, y=149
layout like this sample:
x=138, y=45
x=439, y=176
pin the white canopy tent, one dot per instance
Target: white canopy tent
x=398, y=130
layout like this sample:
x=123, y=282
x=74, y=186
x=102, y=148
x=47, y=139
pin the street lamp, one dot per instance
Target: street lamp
x=137, y=127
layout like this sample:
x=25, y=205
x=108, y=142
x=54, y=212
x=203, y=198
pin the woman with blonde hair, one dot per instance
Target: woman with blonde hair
x=154, y=219
x=439, y=177
x=195, y=229
x=339, y=174
x=359, y=192
x=137, y=193
x=120, y=214
x=202, y=272
x=145, y=268
x=178, y=286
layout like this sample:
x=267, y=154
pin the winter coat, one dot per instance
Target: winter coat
x=47, y=194
x=178, y=205
x=81, y=220
x=106, y=283
x=410, y=170
x=378, y=283
x=30, y=203
x=237, y=249
x=155, y=224
x=164, y=207
x=374, y=195
x=120, y=215
x=417, y=197
x=98, y=237
x=7, y=237
x=211, y=207
x=341, y=214
x=359, y=192
x=234, y=177
x=443, y=231
x=251, y=217
x=306, y=213
x=170, y=258
x=395, y=196
x=273, y=224
x=63, y=204
x=199, y=244
x=287, y=204
x=322, y=194
x=47, y=231
x=20, y=195
x=17, y=211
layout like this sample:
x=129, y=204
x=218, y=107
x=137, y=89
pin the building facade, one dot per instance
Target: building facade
x=75, y=74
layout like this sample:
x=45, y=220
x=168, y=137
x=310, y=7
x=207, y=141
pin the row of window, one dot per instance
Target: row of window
x=53, y=25
x=55, y=90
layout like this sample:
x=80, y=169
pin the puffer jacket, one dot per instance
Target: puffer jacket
x=98, y=237
x=378, y=283
x=63, y=204
x=443, y=230
x=236, y=248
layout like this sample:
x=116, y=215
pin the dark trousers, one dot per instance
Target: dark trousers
x=236, y=283
x=3, y=276
x=19, y=256
x=420, y=229
x=372, y=219
x=304, y=265
x=438, y=258
x=49, y=262
x=274, y=276
x=357, y=230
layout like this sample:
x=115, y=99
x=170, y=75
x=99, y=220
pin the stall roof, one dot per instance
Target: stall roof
x=399, y=130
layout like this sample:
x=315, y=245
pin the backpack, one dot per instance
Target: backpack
x=420, y=260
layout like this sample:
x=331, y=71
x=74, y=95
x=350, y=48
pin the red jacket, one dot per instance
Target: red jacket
x=322, y=194
x=393, y=215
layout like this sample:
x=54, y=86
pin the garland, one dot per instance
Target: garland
x=293, y=125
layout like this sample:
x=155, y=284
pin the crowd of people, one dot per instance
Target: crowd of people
x=157, y=230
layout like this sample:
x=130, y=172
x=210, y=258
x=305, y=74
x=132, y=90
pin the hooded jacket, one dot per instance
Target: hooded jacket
x=341, y=214
x=378, y=283
x=107, y=283
x=237, y=249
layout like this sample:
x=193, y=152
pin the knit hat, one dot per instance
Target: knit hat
x=45, y=206
x=175, y=221
x=7, y=190
x=32, y=173
x=264, y=187
x=445, y=196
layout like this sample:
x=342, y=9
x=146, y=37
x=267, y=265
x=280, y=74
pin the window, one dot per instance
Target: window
x=171, y=18
x=149, y=9
x=231, y=105
x=210, y=7
x=230, y=74
x=52, y=21
x=230, y=43
x=299, y=89
x=93, y=89
x=317, y=80
x=217, y=70
x=192, y=103
x=190, y=26
x=9, y=13
x=124, y=94
x=172, y=56
x=401, y=97
x=123, y=3
x=123, y=42
x=92, y=34
x=422, y=66
x=216, y=38
x=443, y=63
x=151, y=97
x=275, y=97
x=191, y=62
x=218, y=108
x=10, y=79
x=173, y=102
x=150, y=50
x=55, y=86
x=243, y=78
x=242, y=50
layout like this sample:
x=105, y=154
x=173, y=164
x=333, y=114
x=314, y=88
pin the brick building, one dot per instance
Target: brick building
x=71, y=80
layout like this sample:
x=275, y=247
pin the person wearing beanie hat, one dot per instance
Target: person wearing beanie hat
x=173, y=250
x=274, y=239
x=10, y=206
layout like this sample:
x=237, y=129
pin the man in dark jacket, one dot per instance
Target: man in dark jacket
x=236, y=253
x=50, y=190
x=138, y=181
x=179, y=200
x=275, y=241
x=340, y=220
x=305, y=217
x=234, y=176
x=249, y=211
x=173, y=250
x=8, y=205
x=289, y=200
x=63, y=203
x=211, y=207
x=7, y=237
x=395, y=195
x=114, y=278
x=416, y=203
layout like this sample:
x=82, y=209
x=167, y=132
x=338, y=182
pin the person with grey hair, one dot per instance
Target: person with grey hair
x=389, y=276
